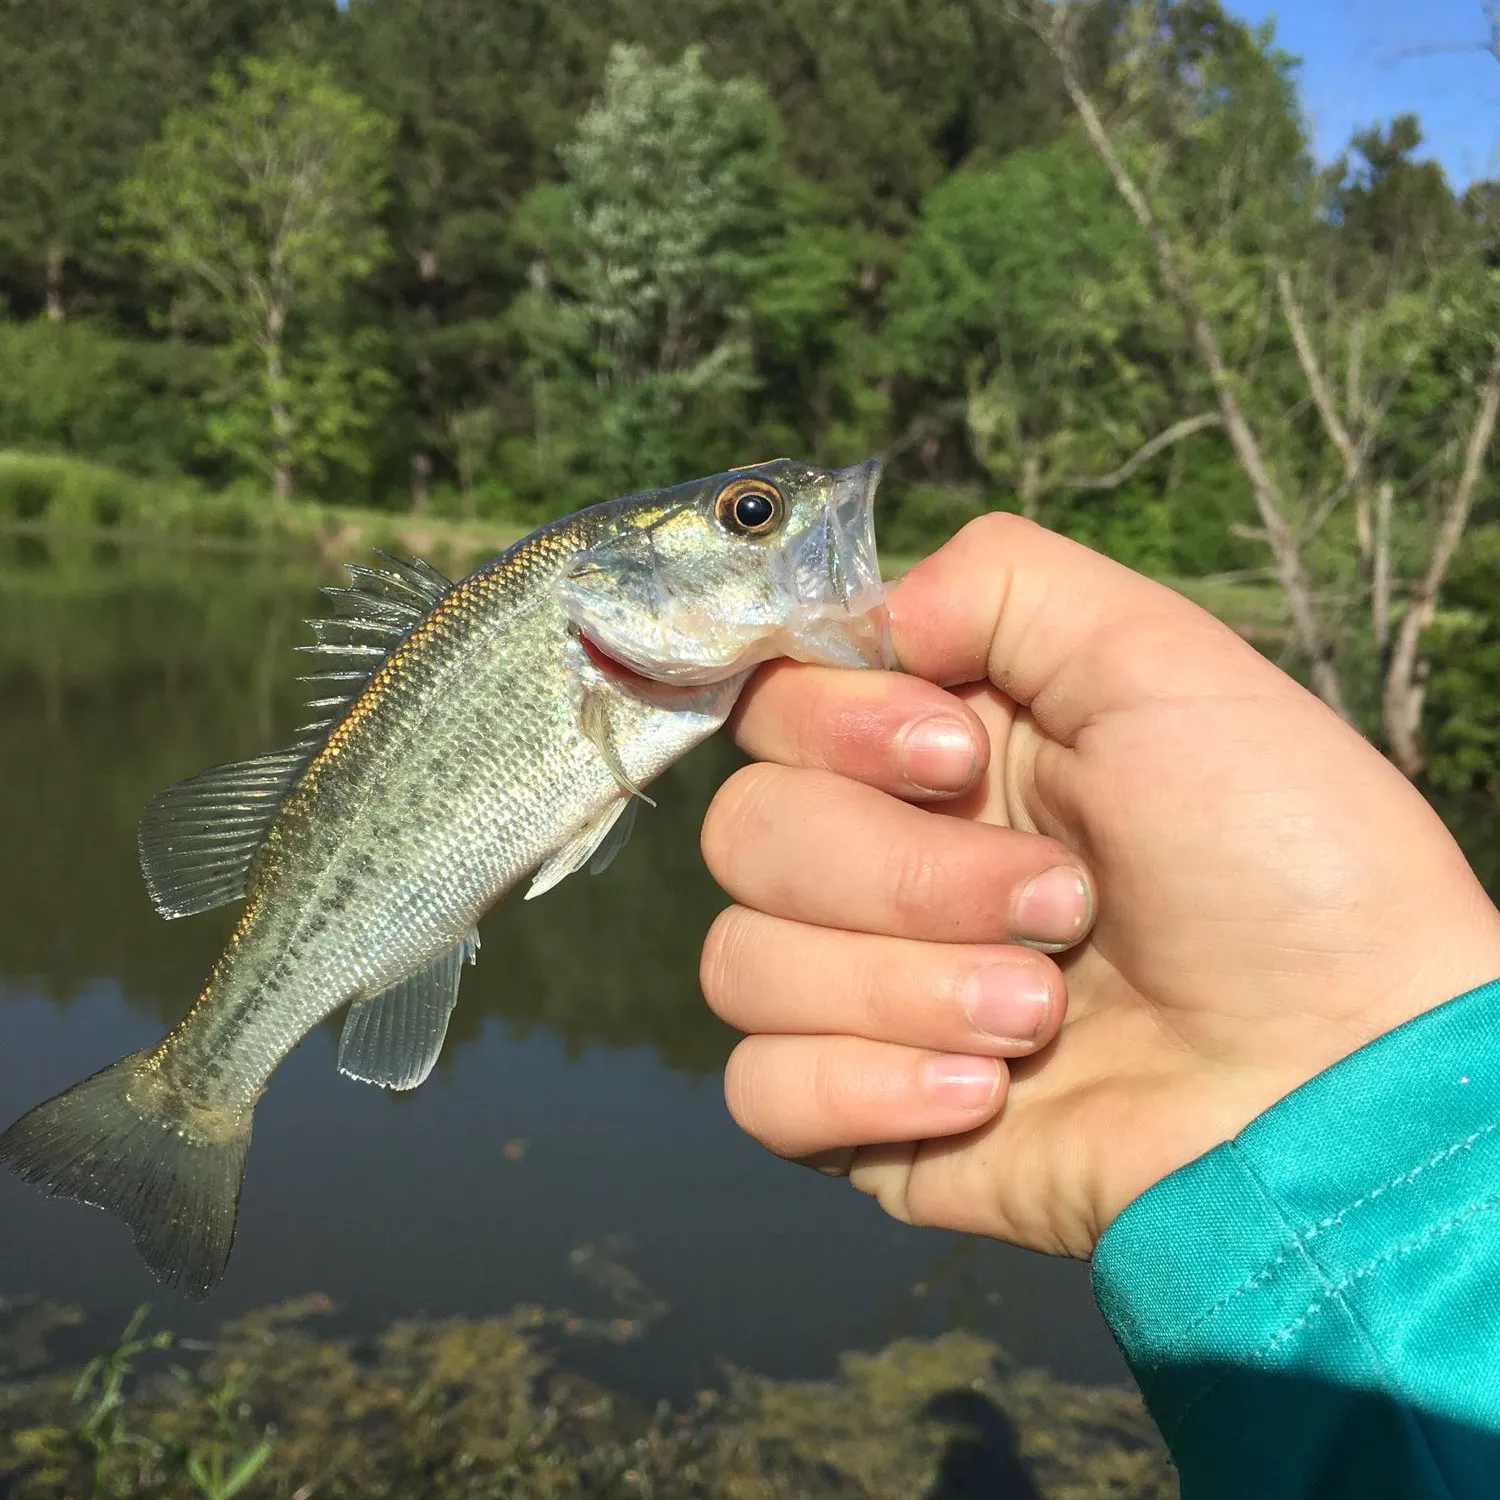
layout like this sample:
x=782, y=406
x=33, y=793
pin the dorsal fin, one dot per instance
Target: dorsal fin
x=373, y=615
x=199, y=837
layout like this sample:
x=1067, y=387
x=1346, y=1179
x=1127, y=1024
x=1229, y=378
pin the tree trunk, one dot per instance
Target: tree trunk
x=1401, y=708
x=1031, y=486
x=1285, y=552
x=421, y=481
x=421, y=461
x=56, y=260
x=1380, y=582
x=281, y=417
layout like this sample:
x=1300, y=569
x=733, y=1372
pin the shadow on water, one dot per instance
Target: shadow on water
x=983, y=1457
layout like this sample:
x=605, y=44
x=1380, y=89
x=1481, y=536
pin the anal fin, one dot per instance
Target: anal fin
x=392, y=1039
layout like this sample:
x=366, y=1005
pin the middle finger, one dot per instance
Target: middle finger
x=764, y=974
x=817, y=848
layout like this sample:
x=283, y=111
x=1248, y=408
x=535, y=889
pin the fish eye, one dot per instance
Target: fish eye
x=750, y=507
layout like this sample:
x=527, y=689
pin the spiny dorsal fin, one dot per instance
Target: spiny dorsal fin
x=199, y=838
x=374, y=615
x=393, y=1039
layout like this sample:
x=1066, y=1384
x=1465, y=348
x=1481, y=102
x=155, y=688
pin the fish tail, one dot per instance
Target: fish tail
x=125, y=1140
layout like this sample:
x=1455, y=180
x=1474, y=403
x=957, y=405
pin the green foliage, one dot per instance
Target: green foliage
x=474, y=1407
x=81, y=389
x=498, y=259
x=1463, y=692
x=1026, y=297
x=647, y=255
x=263, y=209
x=40, y=493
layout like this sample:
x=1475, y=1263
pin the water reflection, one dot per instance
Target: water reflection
x=580, y=1042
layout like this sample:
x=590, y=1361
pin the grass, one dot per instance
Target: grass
x=55, y=496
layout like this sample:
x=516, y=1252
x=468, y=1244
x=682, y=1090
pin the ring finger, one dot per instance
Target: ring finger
x=798, y=1095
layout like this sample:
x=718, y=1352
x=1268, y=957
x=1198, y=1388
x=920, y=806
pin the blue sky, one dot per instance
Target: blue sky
x=1357, y=70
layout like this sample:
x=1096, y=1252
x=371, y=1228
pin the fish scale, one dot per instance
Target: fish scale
x=475, y=734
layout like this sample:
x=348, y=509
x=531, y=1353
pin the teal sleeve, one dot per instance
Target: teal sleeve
x=1313, y=1308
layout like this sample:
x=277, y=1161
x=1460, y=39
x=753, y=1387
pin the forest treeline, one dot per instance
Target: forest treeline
x=501, y=258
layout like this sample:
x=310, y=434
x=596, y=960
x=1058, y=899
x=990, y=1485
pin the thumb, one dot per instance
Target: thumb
x=1061, y=629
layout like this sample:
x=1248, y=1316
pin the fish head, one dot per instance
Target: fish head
x=699, y=582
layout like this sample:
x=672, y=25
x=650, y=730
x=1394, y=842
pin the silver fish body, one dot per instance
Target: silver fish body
x=506, y=728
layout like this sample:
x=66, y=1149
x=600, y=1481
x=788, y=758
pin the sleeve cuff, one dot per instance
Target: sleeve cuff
x=1347, y=1238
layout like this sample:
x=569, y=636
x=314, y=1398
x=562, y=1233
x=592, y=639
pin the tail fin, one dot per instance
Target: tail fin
x=124, y=1141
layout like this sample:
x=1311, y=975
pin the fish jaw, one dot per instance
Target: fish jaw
x=676, y=602
x=841, y=619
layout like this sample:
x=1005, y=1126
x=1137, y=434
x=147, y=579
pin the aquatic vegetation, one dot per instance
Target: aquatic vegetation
x=472, y=1407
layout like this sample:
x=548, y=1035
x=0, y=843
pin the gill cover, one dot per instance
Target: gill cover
x=681, y=594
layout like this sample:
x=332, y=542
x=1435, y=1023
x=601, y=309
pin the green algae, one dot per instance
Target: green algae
x=472, y=1407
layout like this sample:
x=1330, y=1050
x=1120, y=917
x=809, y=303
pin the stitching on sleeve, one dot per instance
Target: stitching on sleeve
x=1335, y=1293
x=1308, y=1232
x=1402, y=1179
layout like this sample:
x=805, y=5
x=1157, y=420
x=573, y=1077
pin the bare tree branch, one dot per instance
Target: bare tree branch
x=1053, y=23
x=1490, y=44
x=1312, y=371
x=1143, y=455
x=1380, y=582
x=1401, y=687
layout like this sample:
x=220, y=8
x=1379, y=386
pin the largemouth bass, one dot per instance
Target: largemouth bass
x=465, y=736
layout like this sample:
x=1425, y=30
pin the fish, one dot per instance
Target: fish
x=464, y=737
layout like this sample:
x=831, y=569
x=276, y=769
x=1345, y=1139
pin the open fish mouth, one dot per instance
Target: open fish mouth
x=841, y=618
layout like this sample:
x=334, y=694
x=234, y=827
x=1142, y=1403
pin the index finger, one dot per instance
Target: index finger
x=1059, y=628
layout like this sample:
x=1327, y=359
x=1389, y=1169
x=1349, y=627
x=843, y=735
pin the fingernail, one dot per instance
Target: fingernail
x=938, y=755
x=1006, y=1002
x=1053, y=909
x=961, y=1082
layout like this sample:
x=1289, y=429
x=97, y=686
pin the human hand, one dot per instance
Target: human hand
x=1271, y=894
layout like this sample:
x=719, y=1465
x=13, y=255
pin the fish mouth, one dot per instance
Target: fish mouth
x=854, y=566
x=841, y=618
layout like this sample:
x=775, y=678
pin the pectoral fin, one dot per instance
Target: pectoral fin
x=594, y=845
x=593, y=719
x=393, y=1039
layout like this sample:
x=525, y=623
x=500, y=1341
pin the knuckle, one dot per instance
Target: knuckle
x=885, y=1175
x=884, y=1000
x=995, y=529
x=742, y=1076
x=755, y=1093
x=914, y=878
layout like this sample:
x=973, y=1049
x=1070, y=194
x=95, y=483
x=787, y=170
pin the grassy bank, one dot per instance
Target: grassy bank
x=54, y=496
x=480, y=1407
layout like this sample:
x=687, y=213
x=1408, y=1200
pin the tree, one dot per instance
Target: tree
x=1193, y=85
x=82, y=95
x=263, y=207
x=648, y=254
x=482, y=93
x=1026, y=297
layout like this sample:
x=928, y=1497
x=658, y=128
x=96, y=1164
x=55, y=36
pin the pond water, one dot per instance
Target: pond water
x=571, y=1149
